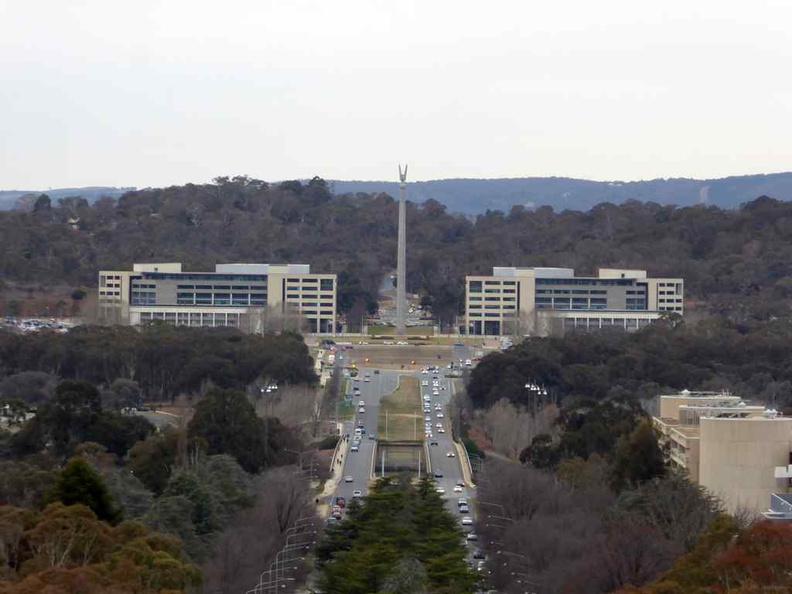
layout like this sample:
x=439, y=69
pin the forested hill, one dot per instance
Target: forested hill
x=735, y=261
x=473, y=196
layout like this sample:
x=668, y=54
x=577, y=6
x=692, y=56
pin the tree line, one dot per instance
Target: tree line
x=164, y=361
x=734, y=262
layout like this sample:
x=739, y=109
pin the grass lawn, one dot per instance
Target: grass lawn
x=401, y=411
x=346, y=412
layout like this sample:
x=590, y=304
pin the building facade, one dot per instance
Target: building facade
x=541, y=301
x=252, y=297
x=731, y=448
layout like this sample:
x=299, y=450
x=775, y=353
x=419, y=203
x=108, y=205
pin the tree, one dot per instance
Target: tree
x=226, y=421
x=637, y=458
x=153, y=459
x=78, y=483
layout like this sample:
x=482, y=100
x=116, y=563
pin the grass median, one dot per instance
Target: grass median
x=400, y=417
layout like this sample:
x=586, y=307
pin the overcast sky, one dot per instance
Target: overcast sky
x=147, y=93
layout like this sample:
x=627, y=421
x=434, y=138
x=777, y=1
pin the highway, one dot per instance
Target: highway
x=358, y=465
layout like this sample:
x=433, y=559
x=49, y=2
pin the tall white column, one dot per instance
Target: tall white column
x=401, y=260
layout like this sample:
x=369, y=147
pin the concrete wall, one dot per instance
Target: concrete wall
x=738, y=458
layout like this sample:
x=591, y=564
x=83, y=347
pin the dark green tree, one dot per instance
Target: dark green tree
x=637, y=458
x=78, y=483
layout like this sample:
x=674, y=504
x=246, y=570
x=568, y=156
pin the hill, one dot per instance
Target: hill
x=9, y=199
x=473, y=196
x=736, y=261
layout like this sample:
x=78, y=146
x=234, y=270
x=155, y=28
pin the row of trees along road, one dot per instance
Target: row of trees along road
x=738, y=262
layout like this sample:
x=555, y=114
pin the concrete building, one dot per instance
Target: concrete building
x=541, y=301
x=253, y=297
x=729, y=447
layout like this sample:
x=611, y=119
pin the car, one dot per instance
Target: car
x=464, y=509
x=361, y=403
x=457, y=489
x=362, y=410
x=360, y=423
x=479, y=554
x=435, y=393
x=336, y=515
x=460, y=484
x=441, y=430
x=357, y=494
x=466, y=521
x=440, y=415
x=340, y=502
x=425, y=383
x=427, y=398
x=355, y=448
x=481, y=566
x=428, y=418
x=433, y=442
x=372, y=436
x=468, y=362
x=367, y=379
x=450, y=455
x=438, y=473
x=471, y=535
x=440, y=490
x=348, y=479
x=439, y=425
x=462, y=501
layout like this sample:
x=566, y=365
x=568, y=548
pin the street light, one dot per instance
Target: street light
x=503, y=509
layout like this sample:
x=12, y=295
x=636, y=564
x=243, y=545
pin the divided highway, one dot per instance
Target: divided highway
x=358, y=465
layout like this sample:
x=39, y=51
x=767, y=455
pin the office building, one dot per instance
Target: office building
x=541, y=301
x=252, y=297
x=731, y=448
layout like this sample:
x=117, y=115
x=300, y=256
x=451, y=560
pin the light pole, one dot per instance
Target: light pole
x=503, y=510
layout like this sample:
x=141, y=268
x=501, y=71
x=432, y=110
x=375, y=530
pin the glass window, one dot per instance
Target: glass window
x=240, y=299
x=492, y=283
x=474, y=287
x=475, y=298
x=495, y=291
x=510, y=291
x=203, y=298
x=310, y=280
x=222, y=298
x=326, y=284
x=491, y=298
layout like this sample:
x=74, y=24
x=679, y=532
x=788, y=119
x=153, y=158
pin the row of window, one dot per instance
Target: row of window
x=582, y=303
x=571, y=292
x=325, y=284
x=204, y=276
x=221, y=287
x=144, y=298
x=192, y=319
x=585, y=281
x=235, y=299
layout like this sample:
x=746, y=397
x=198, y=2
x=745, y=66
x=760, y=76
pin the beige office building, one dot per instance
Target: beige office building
x=731, y=448
x=541, y=301
x=253, y=297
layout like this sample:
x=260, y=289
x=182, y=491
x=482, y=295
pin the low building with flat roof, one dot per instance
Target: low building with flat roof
x=252, y=297
x=726, y=445
x=541, y=301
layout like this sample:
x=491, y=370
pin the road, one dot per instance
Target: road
x=358, y=465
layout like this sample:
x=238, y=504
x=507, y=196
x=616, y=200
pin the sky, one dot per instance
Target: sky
x=147, y=93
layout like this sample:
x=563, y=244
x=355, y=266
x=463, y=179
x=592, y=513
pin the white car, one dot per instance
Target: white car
x=442, y=492
x=427, y=398
x=439, y=425
x=457, y=489
x=349, y=479
x=441, y=430
x=357, y=494
x=428, y=418
x=450, y=455
x=440, y=415
x=425, y=383
x=367, y=379
x=361, y=403
x=435, y=393
x=466, y=521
